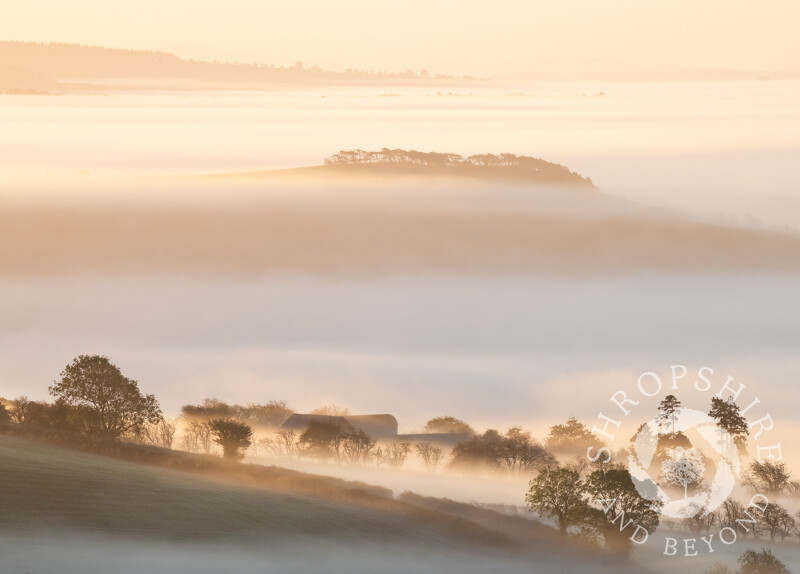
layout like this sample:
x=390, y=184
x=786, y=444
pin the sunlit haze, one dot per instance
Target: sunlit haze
x=465, y=37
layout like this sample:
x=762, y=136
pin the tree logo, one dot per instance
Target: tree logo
x=682, y=464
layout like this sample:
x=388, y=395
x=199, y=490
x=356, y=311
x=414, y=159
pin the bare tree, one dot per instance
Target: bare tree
x=393, y=454
x=356, y=446
x=160, y=434
x=197, y=436
x=769, y=477
x=775, y=520
x=703, y=521
x=20, y=410
x=683, y=467
x=430, y=454
x=271, y=445
x=288, y=441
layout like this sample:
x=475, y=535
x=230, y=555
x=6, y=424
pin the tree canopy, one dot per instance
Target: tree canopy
x=508, y=164
x=761, y=561
x=516, y=451
x=667, y=410
x=558, y=493
x=571, y=437
x=768, y=476
x=448, y=424
x=271, y=414
x=621, y=505
x=730, y=419
x=233, y=436
x=107, y=404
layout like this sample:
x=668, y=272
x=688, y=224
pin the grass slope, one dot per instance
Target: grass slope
x=46, y=487
x=79, y=502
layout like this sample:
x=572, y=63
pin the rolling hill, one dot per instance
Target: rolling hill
x=71, y=511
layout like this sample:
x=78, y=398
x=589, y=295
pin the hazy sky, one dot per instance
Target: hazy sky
x=464, y=36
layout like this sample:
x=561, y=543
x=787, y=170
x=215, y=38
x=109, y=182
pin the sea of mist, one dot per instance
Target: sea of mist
x=495, y=348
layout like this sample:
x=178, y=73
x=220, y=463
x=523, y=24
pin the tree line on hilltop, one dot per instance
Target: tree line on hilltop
x=94, y=401
x=504, y=164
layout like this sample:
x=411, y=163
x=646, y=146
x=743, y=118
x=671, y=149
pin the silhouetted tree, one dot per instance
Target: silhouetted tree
x=331, y=411
x=448, y=424
x=288, y=441
x=515, y=451
x=393, y=454
x=761, y=562
x=730, y=512
x=666, y=411
x=620, y=508
x=5, y=416
x=769, y=477
x=271, y=414
x=430, y=454
x=730, y=419
x=233, y=436
x=160, y=434
x=703, y=522
x=321, y=439
x=521, y=453
x=776, y=521
x=197, y=436
x=572, y=437
x=109, y=404
x=558, y=493
x=479, y=451
x=209, y=409
x=41, y=416
x=356, y=446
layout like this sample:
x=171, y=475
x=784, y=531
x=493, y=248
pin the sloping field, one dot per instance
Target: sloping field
x=68, y=511
x=46, y=487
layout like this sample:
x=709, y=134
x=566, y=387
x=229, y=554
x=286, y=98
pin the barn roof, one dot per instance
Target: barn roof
x=384, y=419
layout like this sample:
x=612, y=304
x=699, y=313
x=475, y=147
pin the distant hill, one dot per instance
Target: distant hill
x=393, y=163
x=75, y=62
x=505, y=166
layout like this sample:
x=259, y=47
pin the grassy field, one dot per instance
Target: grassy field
x=68, y=511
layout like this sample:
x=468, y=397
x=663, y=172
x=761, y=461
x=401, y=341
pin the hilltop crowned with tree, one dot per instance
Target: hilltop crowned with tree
x=507, y=166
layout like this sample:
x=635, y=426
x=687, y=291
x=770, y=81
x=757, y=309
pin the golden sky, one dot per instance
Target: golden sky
x=448, y=36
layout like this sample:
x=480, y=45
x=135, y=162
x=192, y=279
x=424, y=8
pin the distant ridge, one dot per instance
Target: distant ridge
x=70, y=62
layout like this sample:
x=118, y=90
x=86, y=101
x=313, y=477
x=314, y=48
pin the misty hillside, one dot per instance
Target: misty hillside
x=59, y=61
x=50, y=487
x=64, y=497
x=308, y=235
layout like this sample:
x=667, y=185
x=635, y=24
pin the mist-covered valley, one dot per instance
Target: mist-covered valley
x=147, y=227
